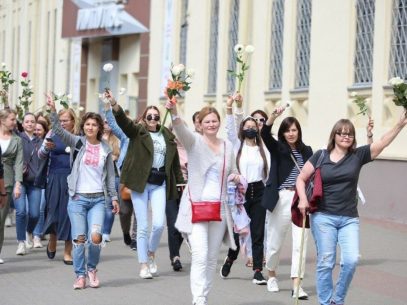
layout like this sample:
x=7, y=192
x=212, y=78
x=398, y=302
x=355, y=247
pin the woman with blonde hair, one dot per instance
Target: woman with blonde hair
x=57, y=222
x=12, y=159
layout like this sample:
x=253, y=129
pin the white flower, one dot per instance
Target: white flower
x=190, y=73
x=354, y=94
x=249, y=49
x=100, y=95
x=287, y=104
x=107, y=67
x=396, y=81
x=122, y=91
x=67, y=149
x=3, y=65
x=177, y=69
x=239, y=48
x=30, y=87
x=81, y=108
x=69, y=96
x=30, y=99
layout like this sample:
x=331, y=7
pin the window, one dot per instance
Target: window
x=233, y=40
x=276, y=50
x=304, y=9
x=398, y=48
x=213, y=48
x=183, y=33
x=363, y=62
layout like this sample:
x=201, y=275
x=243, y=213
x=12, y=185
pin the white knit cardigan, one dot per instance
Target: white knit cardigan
x=200, y=159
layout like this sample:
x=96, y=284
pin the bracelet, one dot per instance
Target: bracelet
x=370, y=136
x=239, y=113
x=229, y=107
x=115, y=103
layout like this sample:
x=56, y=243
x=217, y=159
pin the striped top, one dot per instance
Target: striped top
x=292, y=177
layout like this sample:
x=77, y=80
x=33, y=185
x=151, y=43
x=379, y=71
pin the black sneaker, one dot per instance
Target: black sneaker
x=176, y=265
x=133, y=245
x=258, y=278
x=127, y=239
x=225, y=270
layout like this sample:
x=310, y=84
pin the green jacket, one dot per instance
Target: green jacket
x=139, y=158
x=12, y=160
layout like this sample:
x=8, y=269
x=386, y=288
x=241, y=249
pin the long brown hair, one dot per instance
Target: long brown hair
x=76, y=126
x=342, y=125
x=285, y=126
x=258, y=142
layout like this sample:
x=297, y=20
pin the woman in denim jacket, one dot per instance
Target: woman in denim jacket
x=90, y=186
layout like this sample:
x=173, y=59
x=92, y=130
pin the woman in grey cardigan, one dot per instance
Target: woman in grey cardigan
x=91, y=185
x=12, y=159
x=210, y=161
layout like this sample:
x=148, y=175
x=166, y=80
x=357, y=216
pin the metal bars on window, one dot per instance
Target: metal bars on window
x=233, y=40
x=363, y=61
x=398, y=48
x=213, y=47
x=183, y=33
x=276, y=49
x=304, y=9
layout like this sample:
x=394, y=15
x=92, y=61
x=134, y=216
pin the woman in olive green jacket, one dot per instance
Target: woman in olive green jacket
x=12, y=158
x=151, y=170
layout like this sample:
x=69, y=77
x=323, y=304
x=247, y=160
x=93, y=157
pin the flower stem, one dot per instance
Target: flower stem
x=165, y=118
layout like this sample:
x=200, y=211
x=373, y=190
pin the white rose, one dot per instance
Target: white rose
x=30, y=87
x=396, y=81
x=249, y=49
x=67, y=149
x=239, y=48
x=3, y=65
x=177, y=69
x=69, y=96
x=190, y=73
x=81, y=108
x=122, y=91
x=354, y=94
x=30, y=99
x=107, y=67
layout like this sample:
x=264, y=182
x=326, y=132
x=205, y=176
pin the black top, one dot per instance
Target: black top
x=340, y=181
x=1, y=167
x=281, y=165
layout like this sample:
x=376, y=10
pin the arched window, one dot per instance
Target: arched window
x=398, y=48
x=276, y=49
x=213, y=48
x=233, y=40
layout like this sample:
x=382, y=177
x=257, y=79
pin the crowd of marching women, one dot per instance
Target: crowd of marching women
x=66, y=178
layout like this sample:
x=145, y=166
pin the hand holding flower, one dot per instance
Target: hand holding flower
x=50, y=102
x=170, y=104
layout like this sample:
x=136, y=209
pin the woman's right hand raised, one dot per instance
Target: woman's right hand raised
x=171, y=102
x=50, y=102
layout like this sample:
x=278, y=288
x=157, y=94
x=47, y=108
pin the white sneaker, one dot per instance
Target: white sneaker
x=106, y=237
x=145, y=274
x=1, y=261
x=37, y=242
x=21, y=248
x=28, y=243
x=152, y=266
x=302, y=295
x=272, y=285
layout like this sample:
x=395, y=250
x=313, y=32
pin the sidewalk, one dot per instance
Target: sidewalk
x=381, y=278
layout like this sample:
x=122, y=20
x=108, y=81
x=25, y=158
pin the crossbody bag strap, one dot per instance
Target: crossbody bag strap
x=321, y=156
x=295, y=162
x=223, y=173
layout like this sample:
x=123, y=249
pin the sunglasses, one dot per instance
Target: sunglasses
x=260, y=120
x=153, y=117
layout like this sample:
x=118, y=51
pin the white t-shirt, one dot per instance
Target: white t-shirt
x=212, y=187
x=4, y=145
x=160, y=149
x=91, y=169
x=251, y=163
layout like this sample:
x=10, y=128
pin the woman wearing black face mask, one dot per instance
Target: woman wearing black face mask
x=252, y=160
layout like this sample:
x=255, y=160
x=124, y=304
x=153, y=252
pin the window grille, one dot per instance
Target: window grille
x=276, y=50
x=398, y=48
x=213, y=47
x=183, y=32
x=363, y=61
x=233, y=40
x=304, y=9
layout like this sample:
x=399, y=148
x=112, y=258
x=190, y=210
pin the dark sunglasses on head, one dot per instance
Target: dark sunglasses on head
x=261, y=120
x=153, y=117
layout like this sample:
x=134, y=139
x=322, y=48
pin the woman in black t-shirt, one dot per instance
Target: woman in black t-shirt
x=336, y=221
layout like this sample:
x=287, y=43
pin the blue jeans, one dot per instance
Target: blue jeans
x=86, y=216
x=330, y=231
x=157, y=196
x=28, y=204
x=109, y=216
x=40, y=224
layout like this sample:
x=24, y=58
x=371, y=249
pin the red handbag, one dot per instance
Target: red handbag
x=314, y=192
x=208, y=210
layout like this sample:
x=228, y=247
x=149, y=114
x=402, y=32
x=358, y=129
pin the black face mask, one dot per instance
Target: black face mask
x=250, y=133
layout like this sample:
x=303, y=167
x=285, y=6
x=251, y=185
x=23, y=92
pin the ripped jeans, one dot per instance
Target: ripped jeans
x=330, y=231
x=86, y=216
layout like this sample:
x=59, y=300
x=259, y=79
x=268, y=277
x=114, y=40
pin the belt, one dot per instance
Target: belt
x=92, y=195
x=290, y=188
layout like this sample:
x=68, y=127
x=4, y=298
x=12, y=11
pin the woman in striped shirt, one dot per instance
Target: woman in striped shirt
x=279, y=193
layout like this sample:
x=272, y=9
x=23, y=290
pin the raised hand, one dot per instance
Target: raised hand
x=50, y=102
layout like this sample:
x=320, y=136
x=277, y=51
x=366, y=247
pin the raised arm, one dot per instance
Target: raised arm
x=111, y=121
x=377, y=146
x=369, y=131
x=265, y=133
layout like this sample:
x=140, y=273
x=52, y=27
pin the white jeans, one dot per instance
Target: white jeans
x=278, y=223
x=205, y=239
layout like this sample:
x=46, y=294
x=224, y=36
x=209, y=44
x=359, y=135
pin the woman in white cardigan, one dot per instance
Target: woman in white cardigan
x=207, y=156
